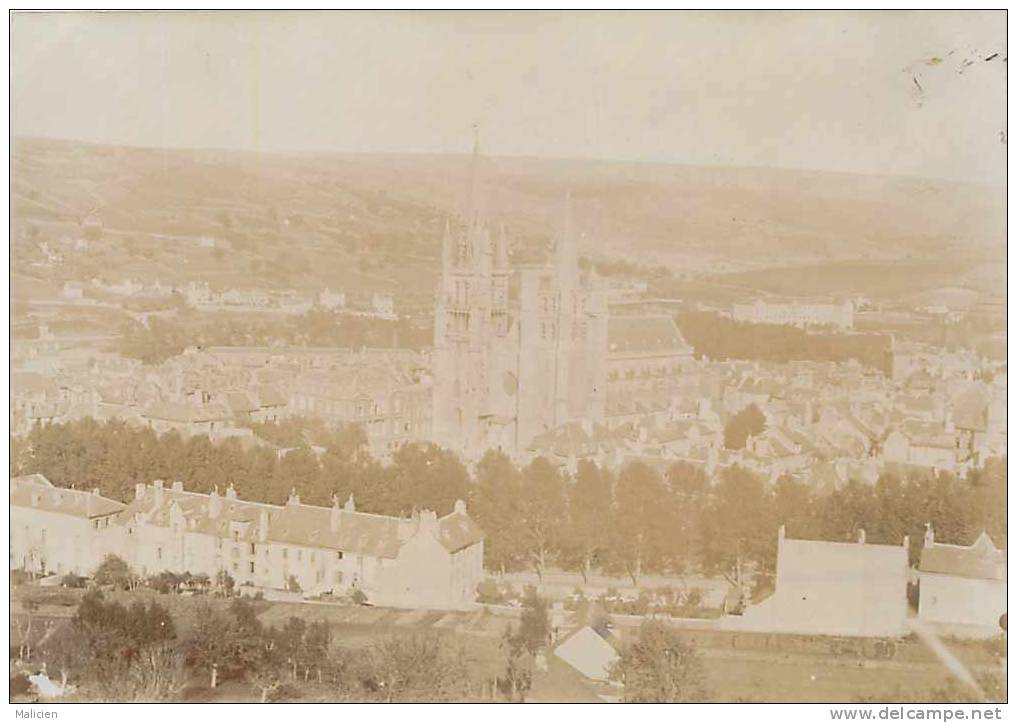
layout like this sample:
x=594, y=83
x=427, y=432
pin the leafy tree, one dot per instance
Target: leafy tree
x=589, y=514
x=542, y=510
x=113, y=572
x=659, y=667
x=740, y=527
x=794, y=507
x=221, y=645
x=747, y=423
x=418, y=668
x=224, y=583
x=641, y=519
x=496, y=503
x=431, y=477
x=534, y=631
x=688, y=490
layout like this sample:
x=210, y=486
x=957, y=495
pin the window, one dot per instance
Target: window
x=252, y=568
x=158, y=553
x=285, y=553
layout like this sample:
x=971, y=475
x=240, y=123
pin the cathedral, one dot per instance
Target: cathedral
x=517, y=351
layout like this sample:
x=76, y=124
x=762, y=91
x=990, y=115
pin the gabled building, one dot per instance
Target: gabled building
x=835, y=588
x=57, y=530
x=419, y=562
x=964, y=587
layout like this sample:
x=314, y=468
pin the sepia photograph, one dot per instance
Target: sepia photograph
x=508, y=356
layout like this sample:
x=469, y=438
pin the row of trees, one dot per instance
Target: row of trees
x=163, y=338
x=719, y=337
x=638, y=519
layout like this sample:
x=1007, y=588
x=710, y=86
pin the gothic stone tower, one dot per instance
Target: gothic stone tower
x=562, y=342
x=507, y=370
x=473, y=347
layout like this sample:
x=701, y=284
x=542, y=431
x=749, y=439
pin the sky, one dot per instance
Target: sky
x=860, y=92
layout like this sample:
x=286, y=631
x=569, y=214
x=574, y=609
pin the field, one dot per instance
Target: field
x=739, y=667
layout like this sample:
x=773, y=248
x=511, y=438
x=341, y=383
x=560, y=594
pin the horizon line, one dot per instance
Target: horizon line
x=466, y=154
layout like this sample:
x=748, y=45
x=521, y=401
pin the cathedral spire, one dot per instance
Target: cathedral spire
x=473, y=201
x=566, y=257
x=501, y=250
x=446, y=247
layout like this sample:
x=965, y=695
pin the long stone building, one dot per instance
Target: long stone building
x=424, y=561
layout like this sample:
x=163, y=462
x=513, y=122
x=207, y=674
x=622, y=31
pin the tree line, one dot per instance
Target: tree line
x=163, y=338
x=638, y=519
x=719, y=337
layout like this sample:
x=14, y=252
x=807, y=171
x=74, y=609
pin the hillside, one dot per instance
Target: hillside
x=374, y=222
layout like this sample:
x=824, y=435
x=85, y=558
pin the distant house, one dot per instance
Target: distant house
x=835, y=588
x=383, y=305
x=840, y=316
x=962, y=586
x=332, y=300
x=922, y=444
x=186, y=418
x=72, y=290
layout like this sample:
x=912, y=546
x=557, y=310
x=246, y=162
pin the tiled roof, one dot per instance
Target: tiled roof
x=971, y=408
x=271, y=397
x=32, y=383
x=458, y=531
x=980, y=560
x=240, y=402
x=299, y=524
x=177, y=412
x=38, y=492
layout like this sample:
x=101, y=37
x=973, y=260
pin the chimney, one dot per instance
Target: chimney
x=178, y=486
x=460, y=507
x=262, y=525
x=861, y=536
x=350, y=506
x=333, y=518
x=930, y=535
x=158, y=492
x=139, y=490
x=231, y=493
x=214, y=503
x=294, y=497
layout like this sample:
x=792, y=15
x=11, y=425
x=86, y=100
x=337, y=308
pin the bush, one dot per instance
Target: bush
x=358, y=597
x=113, y=572
x=488, y=592
x=73, y=581
x=164, y=582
